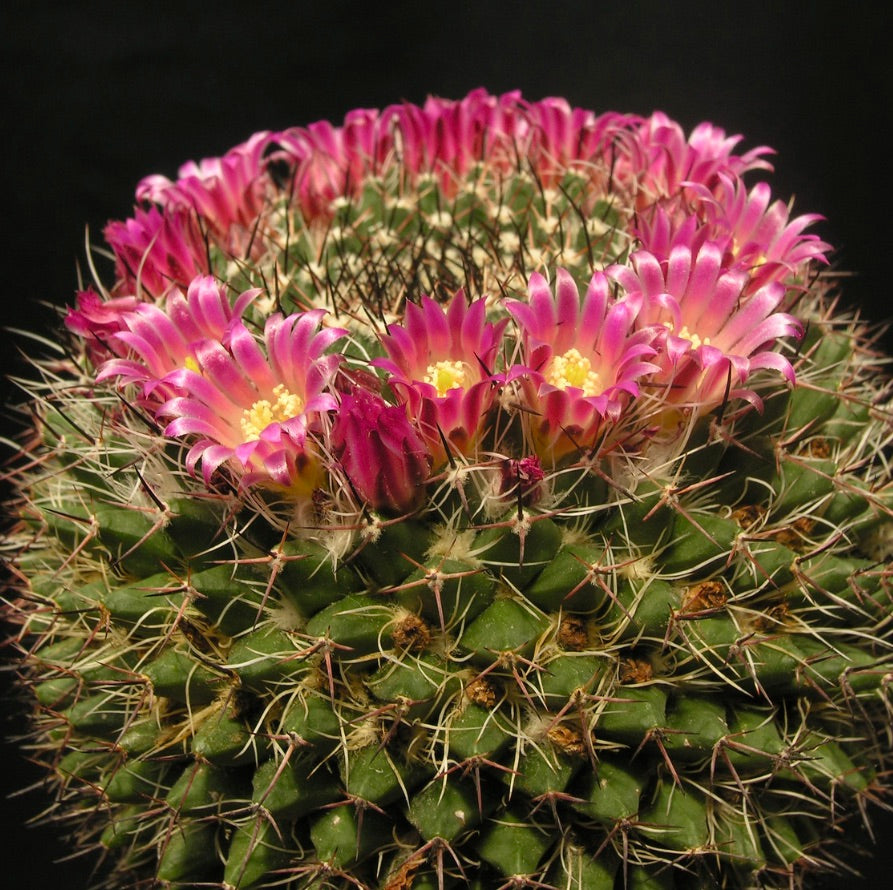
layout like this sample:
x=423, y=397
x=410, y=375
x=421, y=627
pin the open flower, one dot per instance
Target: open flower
x=440, y=364
x=249, y=406
x=256, y=410
x=151, y=341
x=710, y=334
x=757, y=234
x=581, y=362
x=381, y=454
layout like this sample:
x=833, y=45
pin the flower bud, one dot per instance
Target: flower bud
x=380, y=452
x=521, y=479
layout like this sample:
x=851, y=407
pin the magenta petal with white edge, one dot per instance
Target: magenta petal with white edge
x=253, y=405
x=580, y=363
x=156, y=340
x=440, y=366
x=710, y=331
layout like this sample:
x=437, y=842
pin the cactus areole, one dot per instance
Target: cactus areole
x=485, y=494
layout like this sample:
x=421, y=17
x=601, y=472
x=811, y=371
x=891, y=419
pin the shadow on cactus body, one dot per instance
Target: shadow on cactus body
x=586, y=586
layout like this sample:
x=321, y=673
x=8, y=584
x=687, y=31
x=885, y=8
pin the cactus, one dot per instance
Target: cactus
x=485, y=494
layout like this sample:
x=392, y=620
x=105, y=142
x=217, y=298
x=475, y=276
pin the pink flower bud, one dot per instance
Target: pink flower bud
x=521, y=479
x=380, y=452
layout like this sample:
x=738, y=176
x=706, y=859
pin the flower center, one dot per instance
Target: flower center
x=263, y=412
x=686, y=334
x=754, y=261
x=444, y=376
x=574, y=369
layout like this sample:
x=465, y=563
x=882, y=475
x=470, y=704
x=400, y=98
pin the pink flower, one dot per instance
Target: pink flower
x=755, y=238
x=256, y=411
x=581, y=363
x=254, y=408
x=710, y=334
x=446, y=138
x=151, y=341
x=381, y=454
x=329, y=161
x=667, y=162
x=156, y=251
x=228, y=194
x=440, y=364
x=441, y=137
x=758, y=235
x=561, y=136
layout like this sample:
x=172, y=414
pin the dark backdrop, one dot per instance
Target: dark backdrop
x=98, y=94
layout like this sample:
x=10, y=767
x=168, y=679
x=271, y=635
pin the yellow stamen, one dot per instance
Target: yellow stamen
x=445, y=375
x=759, y=260
x=686, y=334
x=263, y=412
x=191, y=364
x=574, y=369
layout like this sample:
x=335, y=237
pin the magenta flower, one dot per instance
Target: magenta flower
x=758, y=235
x=254, y=408
x=666, y=162
x=710, y=335
x=581, y=363
x=440, y=364
x=156, y=251
x=441, y=137
x=151, y=342
x=228, y=193
x=755, y=237
x=328, y=161
x=449, y=137
x=446, y=138
x=381, y=454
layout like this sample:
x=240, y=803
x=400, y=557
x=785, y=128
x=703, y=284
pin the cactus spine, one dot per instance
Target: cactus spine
x=488, y=494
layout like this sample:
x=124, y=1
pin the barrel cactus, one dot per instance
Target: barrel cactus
x=483, y=494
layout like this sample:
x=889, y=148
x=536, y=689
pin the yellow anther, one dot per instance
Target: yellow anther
x=445, y=375
x=695, y=340
x=574, y=369
x=263, y=412
x=686, y=334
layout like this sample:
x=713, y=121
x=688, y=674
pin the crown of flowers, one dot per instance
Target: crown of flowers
x=615, y=279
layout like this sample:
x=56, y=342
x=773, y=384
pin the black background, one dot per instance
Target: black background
x=98, y=94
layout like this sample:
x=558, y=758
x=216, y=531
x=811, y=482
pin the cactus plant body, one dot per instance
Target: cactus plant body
x=483, y=494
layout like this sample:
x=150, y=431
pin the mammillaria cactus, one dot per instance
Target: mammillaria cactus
x=484, y=494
